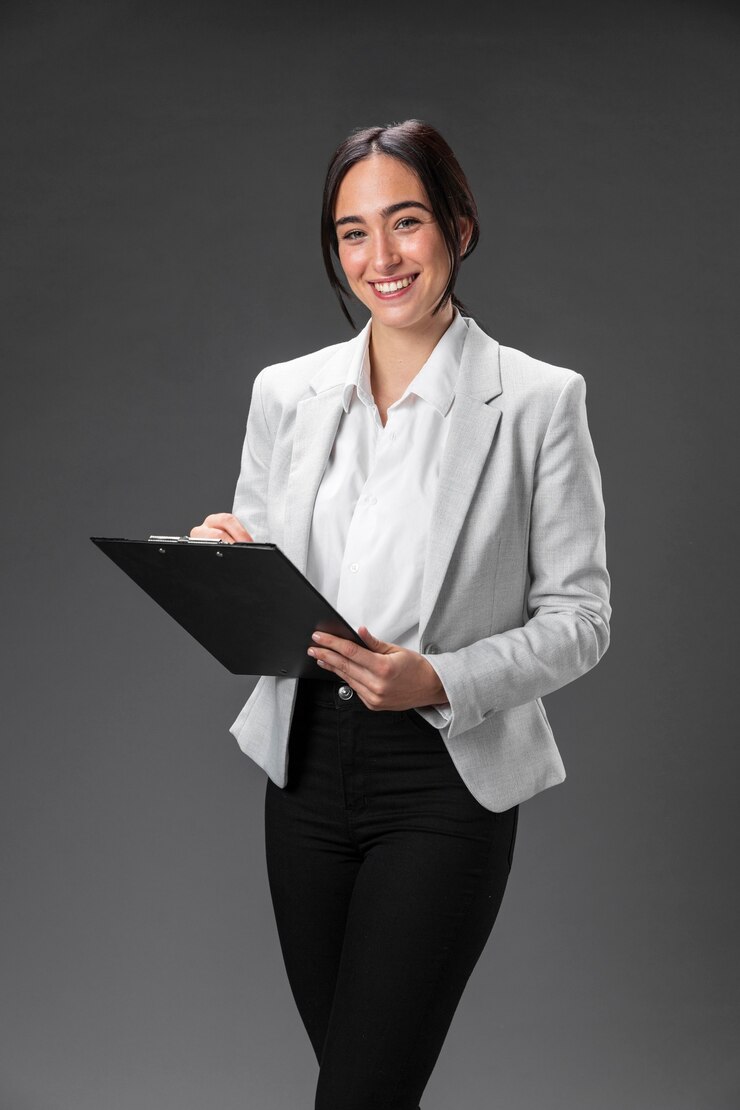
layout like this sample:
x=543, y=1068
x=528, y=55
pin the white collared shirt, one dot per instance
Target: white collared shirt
x=373, y=507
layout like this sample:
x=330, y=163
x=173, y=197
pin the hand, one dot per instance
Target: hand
x=221, y=526
x=384, y=676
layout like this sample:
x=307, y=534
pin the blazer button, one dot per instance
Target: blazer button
x=345, y=692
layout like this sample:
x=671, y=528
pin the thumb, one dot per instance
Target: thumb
x=373, y=642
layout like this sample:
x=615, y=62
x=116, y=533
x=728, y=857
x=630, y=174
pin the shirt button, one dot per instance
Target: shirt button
x=354, y=567
x=345, y=692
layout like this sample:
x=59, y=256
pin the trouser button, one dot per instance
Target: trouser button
x=345, y=692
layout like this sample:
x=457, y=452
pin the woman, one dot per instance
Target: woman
x=442, y=492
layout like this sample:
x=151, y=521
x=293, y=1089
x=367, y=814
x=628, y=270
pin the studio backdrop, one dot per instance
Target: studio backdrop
x=162, y=168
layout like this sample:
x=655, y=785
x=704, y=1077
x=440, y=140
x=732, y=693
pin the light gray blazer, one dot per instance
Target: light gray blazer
x=515, y=592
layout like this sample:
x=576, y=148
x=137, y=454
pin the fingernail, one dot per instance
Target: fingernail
x=316, y=637
x=311, y=652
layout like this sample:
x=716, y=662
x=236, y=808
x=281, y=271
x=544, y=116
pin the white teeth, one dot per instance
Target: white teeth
x=392, y=286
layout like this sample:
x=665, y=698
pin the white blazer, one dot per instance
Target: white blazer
x=515, y=592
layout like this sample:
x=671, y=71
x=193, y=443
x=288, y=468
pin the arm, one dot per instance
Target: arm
x=567, y=630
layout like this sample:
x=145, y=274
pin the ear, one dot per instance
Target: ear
x=466, y=231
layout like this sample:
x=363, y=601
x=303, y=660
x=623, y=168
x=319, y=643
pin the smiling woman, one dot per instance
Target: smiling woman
x=436, y=187
x=392, y=251
x=441, y=490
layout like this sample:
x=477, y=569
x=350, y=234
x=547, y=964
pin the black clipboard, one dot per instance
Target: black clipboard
x=246, y=603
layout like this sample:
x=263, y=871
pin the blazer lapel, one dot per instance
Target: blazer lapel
x=473, y=424
x=317, y=420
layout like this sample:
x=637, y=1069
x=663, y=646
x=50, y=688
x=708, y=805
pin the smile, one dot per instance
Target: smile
x=391, y=288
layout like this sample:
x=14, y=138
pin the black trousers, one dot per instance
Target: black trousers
x=386, y=876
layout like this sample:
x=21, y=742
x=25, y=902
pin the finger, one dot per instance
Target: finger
x=373, y=642
x=200, y=532
x=331, y=661
x=349, y=648
x=364, y=692
x=367, y=696
x=237, y=531
x=351, y=671
x=347, y=657
x=231, y=525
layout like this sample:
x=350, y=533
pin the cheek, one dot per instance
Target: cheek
x=350, y=263
x=441, y=264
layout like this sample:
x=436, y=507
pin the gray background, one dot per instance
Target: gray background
x=162, y=168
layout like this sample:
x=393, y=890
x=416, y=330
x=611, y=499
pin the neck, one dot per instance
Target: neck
x=397, y=354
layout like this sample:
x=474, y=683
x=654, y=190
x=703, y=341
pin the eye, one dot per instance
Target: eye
x=406, y=222
x=353, y=235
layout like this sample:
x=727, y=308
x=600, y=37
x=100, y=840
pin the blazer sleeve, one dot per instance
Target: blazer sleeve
x=250, y=498
x=567, y=607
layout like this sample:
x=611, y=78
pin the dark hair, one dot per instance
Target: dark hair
x=424, y=151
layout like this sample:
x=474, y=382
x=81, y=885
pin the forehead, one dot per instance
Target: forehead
x=377, y=182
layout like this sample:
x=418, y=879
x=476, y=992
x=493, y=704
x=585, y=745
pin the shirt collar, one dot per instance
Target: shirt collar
x=434, y=383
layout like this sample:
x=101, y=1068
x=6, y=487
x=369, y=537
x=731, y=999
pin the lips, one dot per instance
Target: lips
x=393, y=288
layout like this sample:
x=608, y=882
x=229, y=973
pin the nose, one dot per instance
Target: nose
x=386, y=253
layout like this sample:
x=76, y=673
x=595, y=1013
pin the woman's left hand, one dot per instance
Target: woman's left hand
x=384, y=676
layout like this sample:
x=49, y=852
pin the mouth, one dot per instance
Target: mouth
x=395, y=288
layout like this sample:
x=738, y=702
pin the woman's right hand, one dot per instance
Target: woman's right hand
x=221, y=526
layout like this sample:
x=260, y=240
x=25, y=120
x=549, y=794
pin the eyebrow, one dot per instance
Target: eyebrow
x=385, y=212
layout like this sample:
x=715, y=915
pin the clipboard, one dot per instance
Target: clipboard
x=245, y=603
